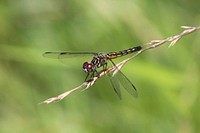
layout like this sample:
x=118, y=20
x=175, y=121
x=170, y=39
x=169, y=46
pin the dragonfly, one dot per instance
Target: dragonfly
x=100, y=60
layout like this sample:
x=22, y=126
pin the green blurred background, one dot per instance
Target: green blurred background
x=167, y=79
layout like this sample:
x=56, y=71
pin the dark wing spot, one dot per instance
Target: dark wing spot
x=48, y=52
x=62, y=53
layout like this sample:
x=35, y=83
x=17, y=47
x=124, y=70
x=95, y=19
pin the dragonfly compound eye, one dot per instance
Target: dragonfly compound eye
x=87, y=67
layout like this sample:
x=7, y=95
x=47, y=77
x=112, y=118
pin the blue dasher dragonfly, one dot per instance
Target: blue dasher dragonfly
x=101, y=60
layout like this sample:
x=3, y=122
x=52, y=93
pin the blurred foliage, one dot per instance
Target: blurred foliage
x=167, y=79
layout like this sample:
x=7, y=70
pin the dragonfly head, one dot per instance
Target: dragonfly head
x=87, y=67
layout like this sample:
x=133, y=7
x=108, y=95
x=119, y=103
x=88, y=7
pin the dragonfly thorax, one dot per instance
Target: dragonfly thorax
x=98, y=61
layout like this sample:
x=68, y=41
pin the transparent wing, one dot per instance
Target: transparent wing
x=115, y=84
x=60, y=55
x=66, y=57
x=126, y=83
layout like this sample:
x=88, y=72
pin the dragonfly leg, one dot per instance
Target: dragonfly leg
x=87, y=76
x=98, y=75
x=112, y=62
x=105, y=66
x=92, y=75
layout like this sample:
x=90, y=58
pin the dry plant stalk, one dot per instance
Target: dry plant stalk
x=114, y=69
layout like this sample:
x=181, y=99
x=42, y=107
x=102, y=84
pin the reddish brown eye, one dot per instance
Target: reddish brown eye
x=87, y=67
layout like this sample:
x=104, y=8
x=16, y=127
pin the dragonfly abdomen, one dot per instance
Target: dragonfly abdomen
x=113, y=55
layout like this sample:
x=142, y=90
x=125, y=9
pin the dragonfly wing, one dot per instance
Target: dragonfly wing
x=53, y=55
x=126, y=83
x=115, y=84
x=66, y=57
x=60, y=55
